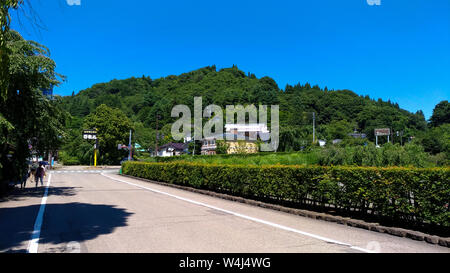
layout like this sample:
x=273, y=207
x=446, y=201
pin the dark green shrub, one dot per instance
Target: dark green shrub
x=413, y=195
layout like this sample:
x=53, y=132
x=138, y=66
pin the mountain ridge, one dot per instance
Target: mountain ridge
x=140, y=98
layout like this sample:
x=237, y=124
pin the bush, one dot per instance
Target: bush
x=68, y=160
x=283, y=158
x=71, y=162
x=440, y=159
x=388, y=155
x=410, y=195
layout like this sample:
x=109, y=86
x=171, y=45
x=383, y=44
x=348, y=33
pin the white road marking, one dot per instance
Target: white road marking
x=246, y=217
x=34, y=241
x=88, y=172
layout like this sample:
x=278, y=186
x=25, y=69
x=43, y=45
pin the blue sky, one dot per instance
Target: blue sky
x=399, y=50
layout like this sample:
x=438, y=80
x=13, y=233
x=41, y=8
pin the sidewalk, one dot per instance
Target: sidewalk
x=18, y=210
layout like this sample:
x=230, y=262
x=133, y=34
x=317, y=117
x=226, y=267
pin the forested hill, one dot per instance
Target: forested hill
x=338, y=111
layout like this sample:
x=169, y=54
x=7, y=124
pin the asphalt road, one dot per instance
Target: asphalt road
x=100, y=211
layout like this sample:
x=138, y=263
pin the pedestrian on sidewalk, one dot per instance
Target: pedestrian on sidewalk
x=25, y=177
x=40, y=173
x=34, y=167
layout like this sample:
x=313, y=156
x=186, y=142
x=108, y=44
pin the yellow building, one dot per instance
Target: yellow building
x=242, y=147
x=240, y=139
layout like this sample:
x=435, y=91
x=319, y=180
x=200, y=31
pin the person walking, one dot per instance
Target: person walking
x=34, y=167
x=27, y=174
x=40, y=173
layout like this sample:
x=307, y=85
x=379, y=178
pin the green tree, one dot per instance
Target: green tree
x=113, y=128
x=437, y=140
x=27, y=116
x=195, y=147
x=441, y=114
x=338, y=129
x=5, y=21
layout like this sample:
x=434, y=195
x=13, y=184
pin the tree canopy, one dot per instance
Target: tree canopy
x=27, y=118
x=441, y=114
x=113, y=127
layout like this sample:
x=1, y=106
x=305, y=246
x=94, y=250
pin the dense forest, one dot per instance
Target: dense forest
x=337, y=112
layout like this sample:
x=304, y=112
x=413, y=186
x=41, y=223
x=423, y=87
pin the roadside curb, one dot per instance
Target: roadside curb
x=399, y=232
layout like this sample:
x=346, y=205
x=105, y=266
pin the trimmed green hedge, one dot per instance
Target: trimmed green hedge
x=411, y=195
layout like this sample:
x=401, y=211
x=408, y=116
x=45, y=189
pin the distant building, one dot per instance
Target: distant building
x=242, y=146
x=248, y=130
x=241, y=138
x=172, y=149
x=209, y=145
x=187, y=139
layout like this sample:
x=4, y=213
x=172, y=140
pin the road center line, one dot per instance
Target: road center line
x=34, y=241
x=328, y=240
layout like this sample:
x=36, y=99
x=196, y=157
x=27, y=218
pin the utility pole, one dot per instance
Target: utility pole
x=156, y=141
x=95, y=147
x=391, y=134
x=314, y=127
x=95, y=152
x=130, y=155
x=400, y=134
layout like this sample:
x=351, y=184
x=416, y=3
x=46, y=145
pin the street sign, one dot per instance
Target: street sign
x=121, y=146
x=139, y=147
x=382, y=132
x=90, y=134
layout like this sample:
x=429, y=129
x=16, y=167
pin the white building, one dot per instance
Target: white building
x=250, y=130
x=250, y=133
x=171, y=149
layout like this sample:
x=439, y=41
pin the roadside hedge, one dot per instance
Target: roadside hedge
x=413, y=195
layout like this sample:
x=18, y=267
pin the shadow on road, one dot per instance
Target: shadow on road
x=63, y=223
x=18, y=194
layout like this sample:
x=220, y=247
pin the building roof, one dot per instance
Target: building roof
x=176, y=146
x=231, y=137
x=247, y=127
